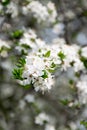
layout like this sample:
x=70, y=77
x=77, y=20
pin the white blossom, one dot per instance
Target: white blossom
x=41, y=118
x=78, y=65
x=30, y=39
x=43, y=84
x=44, y=60
x=84, y=52
x=41, y=12
x=82, y=85
x=12, y=9
x=52, y=12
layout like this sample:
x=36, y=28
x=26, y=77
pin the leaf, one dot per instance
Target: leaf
x=5, y=2
x=53, y=65
x=47, y=54
x=17, y=73
x=61, y=55
x=17, y=34
x=26, y=46
x=84, y=123
x=71, y=81
x=27, y=86
x=65, y=102
x=84, y=60
x=45, y=75
x=51, y=70
x=21, y=63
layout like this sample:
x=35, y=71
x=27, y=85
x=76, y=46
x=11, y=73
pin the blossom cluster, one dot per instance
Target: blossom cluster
x=29, y=41
x=41, y=63
x=43, y=118
x=35, y=10
x=41, y=12
x=9, y=8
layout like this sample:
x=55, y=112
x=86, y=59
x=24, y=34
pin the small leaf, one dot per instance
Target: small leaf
x=72, y=63
x=71, y=81
x=21, y=63
x=53, y=65
x=65, y=102
x=80, y=52
x=51, y=70
x=47, y=54
x=17, y=34
x=26, y=46
x=32, y=39
x=84, y=60
x=45, y=75
x=61, y=55
x=27, y=86
x=5, y=2
x=84, y=123
x=77, y=74
x=17, y=73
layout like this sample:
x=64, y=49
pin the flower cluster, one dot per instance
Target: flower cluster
x=41, y=12
x=12, y=9
x=29, y=41
x=41, y=63
x=38, y=68
x=9, y=8
x=43, y=118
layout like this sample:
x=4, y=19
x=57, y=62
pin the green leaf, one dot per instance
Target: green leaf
x=51, y=70
x=47, y=54
x=84, y=60
x=26, y=46
x=39, y=50
x=84, y=123
x=53, y=65
x=5, y=2
x=65, y=102
x=21, y=63
x=32, y=39
x=27, y=86
x=17, y=73
x=61, y=55
x=17, y=34
x=77, y=74
x=45, y=75
x=80, y=52
x=71, y=81
x=72, y=63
